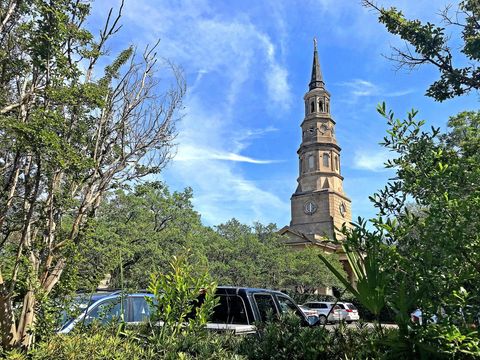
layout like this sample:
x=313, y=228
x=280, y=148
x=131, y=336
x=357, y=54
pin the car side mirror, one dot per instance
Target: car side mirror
x=312, y=320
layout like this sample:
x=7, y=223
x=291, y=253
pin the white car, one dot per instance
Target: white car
x=307, y=311
x=349, y=312
x=417, y=317
x=325, y=312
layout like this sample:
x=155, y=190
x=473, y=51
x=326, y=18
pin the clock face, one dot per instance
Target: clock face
x=310, y=207
x=323, y=129
x=343, y=209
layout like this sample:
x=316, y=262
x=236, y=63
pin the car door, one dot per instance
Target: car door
x=265, y=306
x=138, y=309
x=230, y=310
x=288, y=306
x=107, y=310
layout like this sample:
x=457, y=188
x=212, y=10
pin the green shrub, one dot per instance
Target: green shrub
x=184, y=300
x=12, y=355
x=287, y=339
x=451, y=341
x=98, y=343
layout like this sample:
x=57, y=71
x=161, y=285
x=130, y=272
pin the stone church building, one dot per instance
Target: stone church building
x=319, y=203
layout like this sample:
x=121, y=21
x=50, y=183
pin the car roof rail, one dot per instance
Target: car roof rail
x=114, y=290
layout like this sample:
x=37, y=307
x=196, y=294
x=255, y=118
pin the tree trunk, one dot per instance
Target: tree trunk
x=26, y=323
x=8, y=330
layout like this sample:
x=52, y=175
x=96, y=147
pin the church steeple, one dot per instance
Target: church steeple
x=319, y=204
x=317, y=78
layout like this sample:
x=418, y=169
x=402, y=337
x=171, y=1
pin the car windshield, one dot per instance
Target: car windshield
x=351, y=307
x=287, y=306
x=77, y=305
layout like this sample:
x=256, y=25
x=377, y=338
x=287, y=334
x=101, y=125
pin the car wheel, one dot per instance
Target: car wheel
x=322, y=320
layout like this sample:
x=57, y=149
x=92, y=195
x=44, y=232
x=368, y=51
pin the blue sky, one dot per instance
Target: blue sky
x=247, y=65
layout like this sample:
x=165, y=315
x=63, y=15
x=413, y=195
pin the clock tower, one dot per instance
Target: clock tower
x=319, y=203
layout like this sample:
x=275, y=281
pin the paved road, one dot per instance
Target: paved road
x=356, y=325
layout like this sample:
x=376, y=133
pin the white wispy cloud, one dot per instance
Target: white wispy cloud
x=277, y=85
x=371, y=160
x=359, y=88
x=222, y=191
x=360, y=24
x=223, y=57
x=194, y=35
x=209, y=158
x=188, y=152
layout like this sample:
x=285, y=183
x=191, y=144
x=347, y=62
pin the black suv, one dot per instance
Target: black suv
x=238, y=309
x=246, y=306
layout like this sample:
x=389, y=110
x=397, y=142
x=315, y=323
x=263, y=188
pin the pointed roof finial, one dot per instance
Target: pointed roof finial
x=317, y=78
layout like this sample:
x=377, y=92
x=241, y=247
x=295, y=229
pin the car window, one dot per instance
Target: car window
x=139, y=310
x=106, y=311
x=230, y=310
x=265, y=305
x=287, y=305
x=351, y=307
x=312, y=305
x=324, y=306
x=341, y=306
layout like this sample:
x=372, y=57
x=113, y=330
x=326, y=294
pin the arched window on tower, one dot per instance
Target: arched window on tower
x=310, y=162
x=321, y=106
x=328, y=108
x=337, y=167
x=312, y=107
x=301, y=166
x=326, y=160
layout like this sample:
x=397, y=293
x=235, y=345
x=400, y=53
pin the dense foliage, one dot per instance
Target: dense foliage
x=424, y=256
x=137, y=231
x=429, y=44
x=69, y=132
x=72, y=146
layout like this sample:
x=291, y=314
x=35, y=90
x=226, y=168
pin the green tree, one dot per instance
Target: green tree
x=441, y=173
x=137, y=232
x=67, y=136
x=245, y=255
x=429, y=44
x=429, y=257
x=257, y=256
x=305, y=272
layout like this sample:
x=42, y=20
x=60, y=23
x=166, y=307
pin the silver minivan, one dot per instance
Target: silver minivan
x=327, y=312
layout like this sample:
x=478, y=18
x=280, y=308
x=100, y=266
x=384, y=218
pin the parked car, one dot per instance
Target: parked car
x=326, y=311
x=467, y=316
x=417, y=317
x=349, y=312
x=106, y=307
x=307, y=311
x=247, y=306
x=238, y=310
